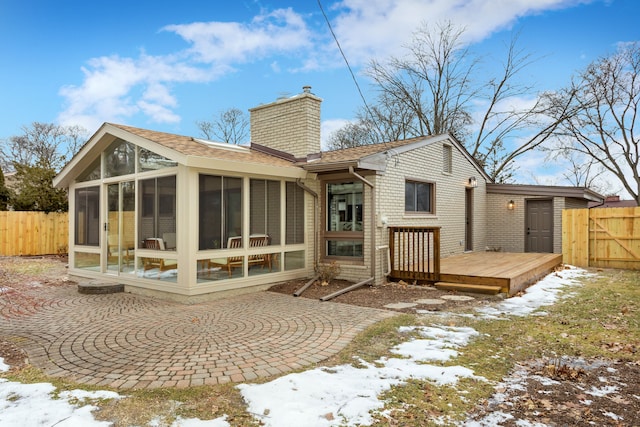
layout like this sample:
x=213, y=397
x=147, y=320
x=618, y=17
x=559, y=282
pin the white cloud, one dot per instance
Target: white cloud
x=394, y=21
x=282, y=30
x=116, y=88
x=327, y=127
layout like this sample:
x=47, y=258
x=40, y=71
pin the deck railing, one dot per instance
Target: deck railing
x=415, y=253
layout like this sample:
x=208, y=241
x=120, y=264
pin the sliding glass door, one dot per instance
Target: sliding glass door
x=120, y=228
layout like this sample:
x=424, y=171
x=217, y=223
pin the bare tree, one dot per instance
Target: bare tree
x=579, y=170
x=36, y=156
x=434, y=82
x=45, y=145
x=604, y=129
x=385, y=121
x=230, y=126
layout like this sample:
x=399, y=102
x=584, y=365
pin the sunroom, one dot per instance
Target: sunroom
x=175, y=215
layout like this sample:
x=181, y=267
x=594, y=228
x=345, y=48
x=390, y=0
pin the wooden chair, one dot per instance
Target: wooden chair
x=255, y=241
x=231, y=262
x=159, y=263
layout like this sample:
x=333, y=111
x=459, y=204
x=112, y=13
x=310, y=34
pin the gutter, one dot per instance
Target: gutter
x=373, y=220
x=300, y=184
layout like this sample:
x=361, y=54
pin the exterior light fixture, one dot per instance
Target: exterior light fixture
x=511, y=205
x=473, y=182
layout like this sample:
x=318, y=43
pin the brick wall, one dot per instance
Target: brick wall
x=426, y=164
x=290, y=124
x=506, y=228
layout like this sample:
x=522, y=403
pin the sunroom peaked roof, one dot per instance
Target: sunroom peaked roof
x=187, y=150
x=190, y=146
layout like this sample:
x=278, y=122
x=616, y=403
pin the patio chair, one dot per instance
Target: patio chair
x=231, y=262
x=255, y=241
x=160, y=263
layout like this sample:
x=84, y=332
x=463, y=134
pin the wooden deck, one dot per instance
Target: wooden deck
x=512, y=272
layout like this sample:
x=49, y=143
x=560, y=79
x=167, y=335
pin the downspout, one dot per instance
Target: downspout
x=300, y=184
x=373, y=219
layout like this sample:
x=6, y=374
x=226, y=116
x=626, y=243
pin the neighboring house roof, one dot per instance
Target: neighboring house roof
x=545, y=190
x=613, y=202
x=11, y=180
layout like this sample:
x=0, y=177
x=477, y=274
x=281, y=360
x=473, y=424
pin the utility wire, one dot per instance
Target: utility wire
x=353, y=76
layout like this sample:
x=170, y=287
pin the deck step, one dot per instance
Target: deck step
x=466, y=287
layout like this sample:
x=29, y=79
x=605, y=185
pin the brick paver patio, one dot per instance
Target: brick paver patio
x=129, y=341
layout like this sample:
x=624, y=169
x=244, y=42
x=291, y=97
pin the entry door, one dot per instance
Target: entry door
x=539, y=226
x=120, y=228
x=468, y=212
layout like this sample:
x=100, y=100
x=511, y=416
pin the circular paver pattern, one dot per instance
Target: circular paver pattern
x=130, y=341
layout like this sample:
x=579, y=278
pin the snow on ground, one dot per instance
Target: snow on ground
x=28, y=405
x=543, y=293
x=33, y=405
x=345, y=395
x=342, y=395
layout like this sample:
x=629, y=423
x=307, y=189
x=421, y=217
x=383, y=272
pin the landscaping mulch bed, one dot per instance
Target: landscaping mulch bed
x=383, y=295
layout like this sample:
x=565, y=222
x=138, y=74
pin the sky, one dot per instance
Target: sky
x=164, y=65
x=320, y=397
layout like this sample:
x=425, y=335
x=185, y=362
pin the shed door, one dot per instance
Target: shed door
x=539, y=226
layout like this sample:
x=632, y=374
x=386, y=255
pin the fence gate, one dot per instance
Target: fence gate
x=606, y=238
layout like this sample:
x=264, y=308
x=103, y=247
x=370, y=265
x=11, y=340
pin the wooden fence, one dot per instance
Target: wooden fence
x=607, y=238
x=33, y=233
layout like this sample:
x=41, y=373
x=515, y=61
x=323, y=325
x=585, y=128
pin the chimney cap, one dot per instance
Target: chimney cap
x=306, y=89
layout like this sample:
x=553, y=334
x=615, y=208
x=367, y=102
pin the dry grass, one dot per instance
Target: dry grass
x=600, y=319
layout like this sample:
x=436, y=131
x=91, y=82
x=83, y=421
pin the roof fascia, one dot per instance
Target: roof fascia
x=544, y=190
x=245, y=167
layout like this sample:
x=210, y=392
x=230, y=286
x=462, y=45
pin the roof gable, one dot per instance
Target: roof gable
x=185, y=150
x=374, y=156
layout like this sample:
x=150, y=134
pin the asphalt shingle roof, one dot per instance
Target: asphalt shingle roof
x=190, y=147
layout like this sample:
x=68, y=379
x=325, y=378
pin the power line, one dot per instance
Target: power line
x=353, y=76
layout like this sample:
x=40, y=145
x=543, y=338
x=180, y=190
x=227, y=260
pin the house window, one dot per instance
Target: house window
x=87, y=216
x=220, y=211
x=419, y=197
x=91, y=173
x=264, y=209
x=344, y=236
x=157, y=207
x=447, y=159
x=150, y=161
x=294, y=214
x=120, y=158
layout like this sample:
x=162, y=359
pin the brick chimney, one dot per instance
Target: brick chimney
x=291, y=125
